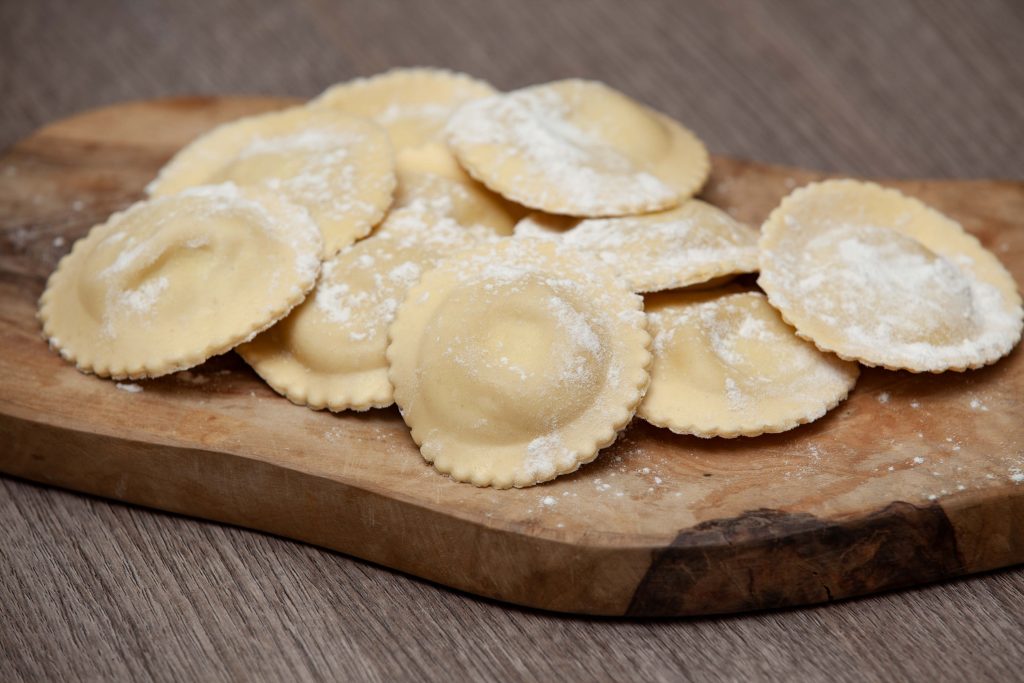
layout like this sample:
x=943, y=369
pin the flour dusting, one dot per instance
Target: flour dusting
x=660, y=251
x=561, y=162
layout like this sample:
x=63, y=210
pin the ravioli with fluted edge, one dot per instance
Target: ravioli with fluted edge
x=170, y=282
x=412, y=104
x=878, y=277
x=691, y=244
x=517, y=362
x=341, y=168
x=725, y=364
x=579, y=148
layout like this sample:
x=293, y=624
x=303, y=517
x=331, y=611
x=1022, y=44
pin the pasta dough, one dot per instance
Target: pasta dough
x=579, y=148
x=338, y=167
x=725, y=364
x=330, y=352
x=412, y=104
x=429, y=175
x=516, y=362
x=879, y=277
x=467, y=203
x=434, y=158
x=691, y=244
x=167, y=283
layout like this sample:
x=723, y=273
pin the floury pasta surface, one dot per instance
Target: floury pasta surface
x=143, y=294
x=878, y=277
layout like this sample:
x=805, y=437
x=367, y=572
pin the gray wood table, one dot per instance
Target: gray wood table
x=95, y=590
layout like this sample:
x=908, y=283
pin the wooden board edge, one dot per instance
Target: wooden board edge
x=759, y=560
x=766, y=559
x=783, y=559
x=535, y=571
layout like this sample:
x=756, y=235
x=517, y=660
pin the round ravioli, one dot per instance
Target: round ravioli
x=517, y=362
x=688, y=245
x=725, y=364
x=169, y=282
x=876, y=276
x=339, y=167
x=412, y=104
x=330, y=352
x=579, y=148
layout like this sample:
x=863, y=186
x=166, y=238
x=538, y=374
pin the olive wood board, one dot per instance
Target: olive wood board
x=913, y=479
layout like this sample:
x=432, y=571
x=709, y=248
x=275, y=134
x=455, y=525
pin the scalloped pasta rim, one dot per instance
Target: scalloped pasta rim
x=398, y=77
x=731, y=429
x=189, y=155
x=358, y=396
x=736, y=429
x=681, y=137
x=583, y=452
x=776, y=217
x=643, y=282
x=167, y=364
x=397, y=73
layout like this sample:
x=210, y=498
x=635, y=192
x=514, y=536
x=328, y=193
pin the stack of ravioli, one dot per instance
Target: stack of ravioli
x=522, y=273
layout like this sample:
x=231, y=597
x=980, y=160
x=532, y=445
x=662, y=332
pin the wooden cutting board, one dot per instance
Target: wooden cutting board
x=913, y=479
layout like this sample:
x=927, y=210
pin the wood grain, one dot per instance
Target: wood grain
x=90, y=589
x=868, y=498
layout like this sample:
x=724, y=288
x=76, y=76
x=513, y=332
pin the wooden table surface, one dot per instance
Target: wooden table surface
x=90, y=589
